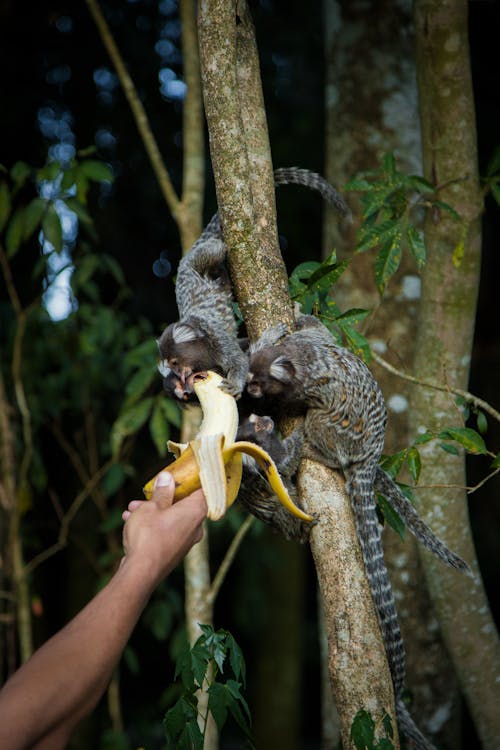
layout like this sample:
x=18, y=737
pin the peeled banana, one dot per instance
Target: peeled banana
x=213, y=460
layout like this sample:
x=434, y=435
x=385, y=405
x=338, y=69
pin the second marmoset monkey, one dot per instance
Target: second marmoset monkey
x=255, y=493
x=344, y=428
x=205, y=336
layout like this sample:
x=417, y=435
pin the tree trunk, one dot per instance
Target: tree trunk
x=260, y=283
x=372, y=109
x=444, y=343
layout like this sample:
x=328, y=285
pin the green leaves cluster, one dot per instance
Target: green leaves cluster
x=139, y=407
x=21, y=214
x=390, y=200
x=310, y=284
x=215, y=663
x=363, y=732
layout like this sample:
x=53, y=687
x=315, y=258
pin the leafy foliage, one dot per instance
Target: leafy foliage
x=364, y=729
x=390, y=202
x=203, y=666
x=311, y=286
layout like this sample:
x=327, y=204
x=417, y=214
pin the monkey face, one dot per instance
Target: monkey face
x=270, y=374
x=184, y=350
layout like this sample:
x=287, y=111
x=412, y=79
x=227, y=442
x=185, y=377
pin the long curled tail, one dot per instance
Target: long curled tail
x=409, y=729
x=203, y=253
x=313, y=181
x=387, y=487
x=360, y=489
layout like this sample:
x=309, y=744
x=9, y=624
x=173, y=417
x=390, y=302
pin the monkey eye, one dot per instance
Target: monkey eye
x=173, y=361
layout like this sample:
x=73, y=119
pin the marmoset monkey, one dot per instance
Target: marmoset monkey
x=344, y=428
x=205, y=336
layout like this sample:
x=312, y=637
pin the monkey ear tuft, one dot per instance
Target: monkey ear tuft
x=282, y=370
x=182, y=333
x=163, y=368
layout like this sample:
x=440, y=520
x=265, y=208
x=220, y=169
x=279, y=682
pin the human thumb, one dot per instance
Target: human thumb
x=163, y=491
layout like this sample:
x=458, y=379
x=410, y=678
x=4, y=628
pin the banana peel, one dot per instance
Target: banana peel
x=214, y=462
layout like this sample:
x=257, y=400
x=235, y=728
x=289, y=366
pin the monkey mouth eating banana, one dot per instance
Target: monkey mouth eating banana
x=213, y=460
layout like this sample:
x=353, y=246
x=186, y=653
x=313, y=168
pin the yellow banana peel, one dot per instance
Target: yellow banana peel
x=213, y=460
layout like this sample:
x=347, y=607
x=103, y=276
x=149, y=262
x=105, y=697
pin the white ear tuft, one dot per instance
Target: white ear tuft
x=163, y=368
x=182, y=333
x=282, y=370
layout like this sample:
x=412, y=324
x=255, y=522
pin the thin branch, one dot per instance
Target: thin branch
x=138, y=111
x=469, y=397
x=67, y=519
x=229, y=557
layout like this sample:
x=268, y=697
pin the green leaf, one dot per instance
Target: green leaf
x=353, y=317
x=482, y=422
x=419, y=184
x=113, y=480
x=466, y=437
x=172, y=412
x=159, y=429
x=129, y=422
x=363, y=731
x=414, y=463
x=52, y=229
x=495, y=464
x=449, y=448
x=236, y=659
x=15, y=231
x=49, y=171
x=393, y=518
x=139, y=383
x=181, y=726
x=426, y=437
x=5, y=204
x=217, y=703
x=377, y=234
x=377, y=198
x=69, y=178
x=416, y=244
x=357, y=342
x=393, y=464
x=200, y=659
x=79, y=209
x=97, y=171
x=389, y=166
x=387, y=262
x=458, y=254
x=33, y=214
x=358, y=185
x=20, y=172
x=449, y=209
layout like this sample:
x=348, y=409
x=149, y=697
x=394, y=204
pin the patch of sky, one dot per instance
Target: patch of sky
x=58, y=297
x=171, y=29
x=104, y=138
x=167, y=7
x=55, y=124
x=170, y=86
x=167, y=51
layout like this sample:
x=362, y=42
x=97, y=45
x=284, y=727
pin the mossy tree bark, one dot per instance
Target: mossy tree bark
x=245, y=191
x=444, y=342
x=371, y=106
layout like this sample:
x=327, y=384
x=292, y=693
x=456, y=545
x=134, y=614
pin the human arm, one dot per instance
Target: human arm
x=61, y=683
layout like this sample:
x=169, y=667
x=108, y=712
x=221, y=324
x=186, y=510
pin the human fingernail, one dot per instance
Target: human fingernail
x=164, y=479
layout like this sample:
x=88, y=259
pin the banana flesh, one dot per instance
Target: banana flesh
x=213, y=460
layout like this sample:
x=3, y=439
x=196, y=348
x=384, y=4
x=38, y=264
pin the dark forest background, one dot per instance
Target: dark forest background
x=59, y=93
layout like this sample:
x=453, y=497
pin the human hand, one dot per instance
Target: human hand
x=158, y=534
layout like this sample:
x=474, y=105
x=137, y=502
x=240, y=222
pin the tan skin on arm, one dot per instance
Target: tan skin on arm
x=61, y=683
